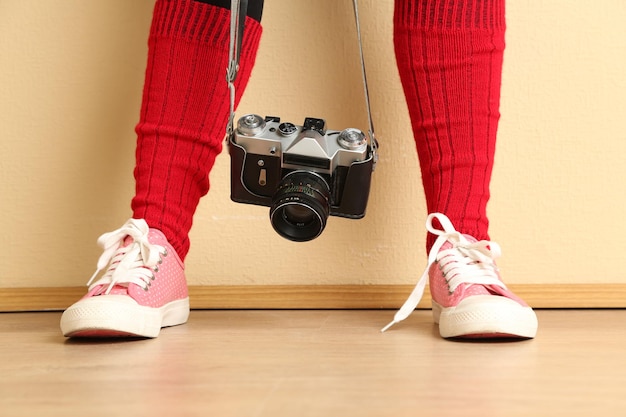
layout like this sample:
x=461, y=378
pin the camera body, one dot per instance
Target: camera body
x=303, y=173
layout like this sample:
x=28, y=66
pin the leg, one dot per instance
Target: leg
x=182, y=124
x=449, y=55
x=184, y=111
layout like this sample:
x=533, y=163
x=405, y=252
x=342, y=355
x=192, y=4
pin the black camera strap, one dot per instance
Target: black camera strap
x=237, y=20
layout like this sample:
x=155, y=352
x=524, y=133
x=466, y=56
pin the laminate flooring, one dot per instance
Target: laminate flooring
x=297, y=363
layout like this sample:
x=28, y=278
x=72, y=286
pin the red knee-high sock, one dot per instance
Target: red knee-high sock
x=184, y=111
x=449, y=55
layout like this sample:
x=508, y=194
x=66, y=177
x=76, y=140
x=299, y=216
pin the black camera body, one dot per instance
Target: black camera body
x=303, y=173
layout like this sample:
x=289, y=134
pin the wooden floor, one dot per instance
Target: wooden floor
x=277, y=363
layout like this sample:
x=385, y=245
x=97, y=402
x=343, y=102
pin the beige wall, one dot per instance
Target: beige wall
x=71, y=74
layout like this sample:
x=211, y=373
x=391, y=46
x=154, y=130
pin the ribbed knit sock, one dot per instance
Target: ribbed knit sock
x=449, y=55
x=184, y=111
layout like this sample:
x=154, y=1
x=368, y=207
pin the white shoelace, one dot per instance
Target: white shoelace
x=464, y=263
x=131, y=264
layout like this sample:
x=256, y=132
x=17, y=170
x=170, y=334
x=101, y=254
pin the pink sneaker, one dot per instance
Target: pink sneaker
x=142, y=290
x=469, y=299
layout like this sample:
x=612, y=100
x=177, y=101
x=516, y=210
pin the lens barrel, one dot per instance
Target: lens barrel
x=300, y=206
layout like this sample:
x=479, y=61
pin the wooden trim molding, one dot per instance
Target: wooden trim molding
x=324, y=296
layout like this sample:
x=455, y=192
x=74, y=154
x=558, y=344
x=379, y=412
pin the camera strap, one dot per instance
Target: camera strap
x=238, y=11
x=373, y=141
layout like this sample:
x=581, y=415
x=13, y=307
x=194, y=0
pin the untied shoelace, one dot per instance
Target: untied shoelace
x=465, y=262
x=134, y=263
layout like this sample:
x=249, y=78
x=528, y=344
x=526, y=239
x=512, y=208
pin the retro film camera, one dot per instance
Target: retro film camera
x=303, y=173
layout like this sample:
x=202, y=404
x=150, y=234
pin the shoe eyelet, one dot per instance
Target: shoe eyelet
x=165, y=252
x=155, y=269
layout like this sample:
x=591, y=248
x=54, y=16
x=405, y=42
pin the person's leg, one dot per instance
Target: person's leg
x=184, y=111
x=449, y=55
x=140, y=284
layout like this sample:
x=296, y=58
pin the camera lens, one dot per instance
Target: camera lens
x=300, y=206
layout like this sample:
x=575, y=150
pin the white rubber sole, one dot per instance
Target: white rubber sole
x=120, y=315
x=485, y=316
